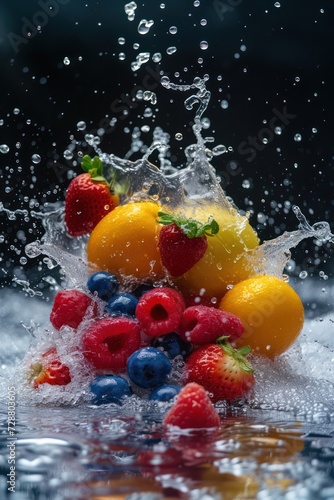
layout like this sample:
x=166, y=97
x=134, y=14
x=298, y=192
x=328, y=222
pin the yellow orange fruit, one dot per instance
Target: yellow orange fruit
x=224, y=261
x=271, y=311
x=125, y=242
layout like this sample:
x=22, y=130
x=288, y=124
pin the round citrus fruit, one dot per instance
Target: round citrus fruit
x=125, y=242
x=271, y=311
x=224, y=261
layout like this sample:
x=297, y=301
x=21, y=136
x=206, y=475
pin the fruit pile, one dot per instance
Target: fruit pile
x=167, y=286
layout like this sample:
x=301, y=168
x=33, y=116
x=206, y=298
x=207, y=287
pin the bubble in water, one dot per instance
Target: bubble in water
x=129, y=9
x=66, y=61
x=178, y=136
x=171, y=50
x=224, y=104
x=204, y=45
x=144, y=26
x=121, y=40
x=36, y=158
x=173, y=30
x=156, y=57
x=81, y=125
x=4, y=148
x=68, y=155
x=297, y=137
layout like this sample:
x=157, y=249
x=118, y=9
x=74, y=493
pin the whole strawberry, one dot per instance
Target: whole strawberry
x=182, y=242
x=222, y=370
x=88, y=198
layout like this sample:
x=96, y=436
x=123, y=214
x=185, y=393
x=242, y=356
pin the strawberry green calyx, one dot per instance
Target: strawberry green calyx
x=238, y=354
x=190, y=227
x=94, y=167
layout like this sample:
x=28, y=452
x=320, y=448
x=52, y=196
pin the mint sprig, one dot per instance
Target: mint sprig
x=192, y=228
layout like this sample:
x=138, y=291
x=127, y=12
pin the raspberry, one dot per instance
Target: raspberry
x=69, y=308
x=108, y=342
x=159, y=311
x=202, y=325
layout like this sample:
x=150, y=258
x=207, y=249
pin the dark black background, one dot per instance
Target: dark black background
x=287, y=64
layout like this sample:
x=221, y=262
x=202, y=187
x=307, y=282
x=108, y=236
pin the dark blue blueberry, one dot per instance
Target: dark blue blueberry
x=141, y=289
x=173, y=345
x=122, y=303
x=148, y=367
x=104, y=284
x=109, y=389
x=165, y=392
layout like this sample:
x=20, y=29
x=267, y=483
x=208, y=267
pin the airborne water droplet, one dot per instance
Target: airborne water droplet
x=68, y=155
x=36, y=158
x=144, y=26
x=224, y=104
x=173, y=30
x=66, y=61
x=4, y=148
x=178, y=136
x=171, y=50
x=129, y=9
x=297, y=137
x=81, y=125
x=204, y=45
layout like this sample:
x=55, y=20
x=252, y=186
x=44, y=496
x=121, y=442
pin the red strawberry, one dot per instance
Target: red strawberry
x=69, y=308
x=49, y=370
x=222, y=370
x=108, y=342
x=192, y=409
x=202, y=325
x=182, y=242
x=88, y=198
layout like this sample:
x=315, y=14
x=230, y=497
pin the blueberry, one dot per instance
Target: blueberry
x=122, y=303
x=173, y=345
x=148, y=367
x=165, y=392
x=104, y=284
x=109, y=389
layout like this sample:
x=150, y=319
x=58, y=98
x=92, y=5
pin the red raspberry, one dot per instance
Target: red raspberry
x=69, y=308
x=108, y=342
x=202, y=325
x=159, y=311
x=192, y=409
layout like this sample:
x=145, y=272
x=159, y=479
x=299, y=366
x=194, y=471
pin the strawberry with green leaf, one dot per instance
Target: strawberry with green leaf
x=222, y=370
x=183, y=242
x=89, y=198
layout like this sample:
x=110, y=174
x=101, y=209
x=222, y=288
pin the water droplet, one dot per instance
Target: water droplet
x=23, y=260
x=36, y=158
x=4, y=148
x=162, y=6
x=278, y=130
x=203, y=22
x=129, y=9
x=178, y=136
x=16, y=111
x=171, y=50
x=156, y=57
x=204, y=45
x=173, y=30
x=297, y=137
x=314, y=130
x=197, y=3
x=265, y=140
x=142, y=58
x=144, y=26
x=81, y=125
x=277, y=5
x=121, y=56
x=145, y=128
x=297, y=79
x=205, y=122
x=66, y=61
x=303, y=275
x=68, y=155
x=224, y=104
x=246, y=184
x=1, y=122
x=150, y=96
x=121, y=40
